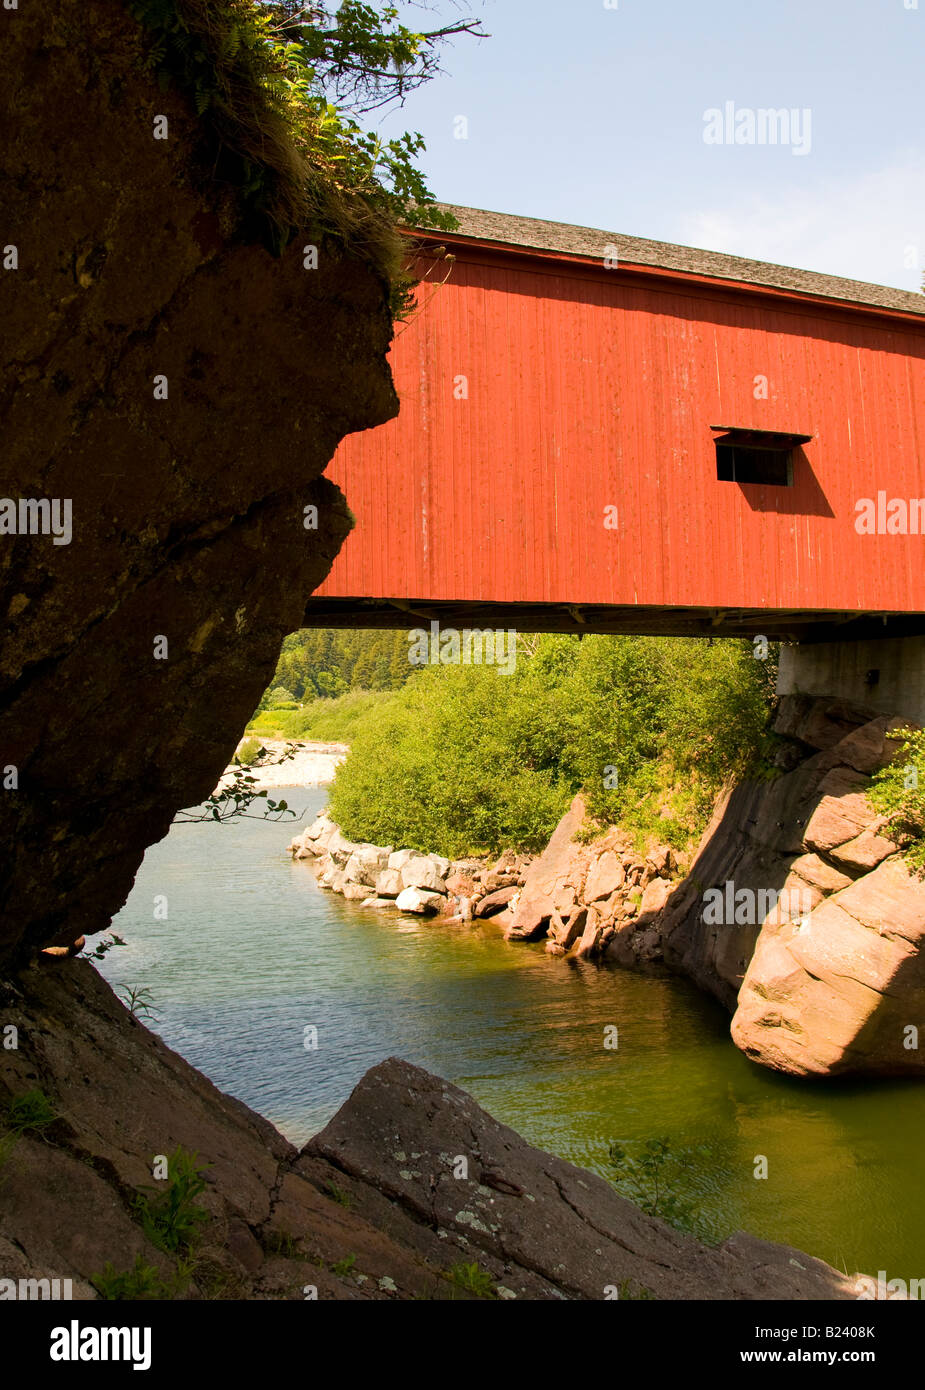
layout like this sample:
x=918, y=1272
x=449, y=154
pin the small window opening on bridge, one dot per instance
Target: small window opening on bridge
x=756, y=456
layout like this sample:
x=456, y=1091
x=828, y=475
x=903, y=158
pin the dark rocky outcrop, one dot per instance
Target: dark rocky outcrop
x=187, y=512
x=377, y=1206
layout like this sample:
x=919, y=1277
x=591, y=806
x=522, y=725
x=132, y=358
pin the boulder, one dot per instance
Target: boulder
x=418, y=900
x=656, y=895
x=589, y=944
x=318, y=827
x=338, y=846
x=836, y=992
x=566, y=933
x=605, y=876
x=495, y=902
x=461, y=884
x=492, y=879
x=818, y=874
x=535, y=1222
x=399, y=858
x=378, y=902
x=422, y=871
x=547, y=872
x=365, y=864
x=661, y=859
x=355, y=892
x=389, y=883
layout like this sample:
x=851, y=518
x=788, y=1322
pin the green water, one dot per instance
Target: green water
x=253, y=952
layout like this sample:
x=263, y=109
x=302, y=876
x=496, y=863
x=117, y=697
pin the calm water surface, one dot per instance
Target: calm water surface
x=253, y=952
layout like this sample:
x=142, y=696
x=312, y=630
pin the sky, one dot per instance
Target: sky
x=596, y=112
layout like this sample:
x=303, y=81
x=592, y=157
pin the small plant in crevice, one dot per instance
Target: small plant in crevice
x=628, y=1291
x=139, y=1003
x=280, y=1243
x=344, y=1267
x=140, y=1283
x=339, y=1195
x=646, y=1180
x=472, y=1278
x=170, y=1216
x=30, y=1113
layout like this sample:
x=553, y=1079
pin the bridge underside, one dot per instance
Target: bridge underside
x=801, y=625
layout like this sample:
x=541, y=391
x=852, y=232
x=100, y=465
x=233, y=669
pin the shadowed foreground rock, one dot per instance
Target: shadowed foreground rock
x=370, y=1209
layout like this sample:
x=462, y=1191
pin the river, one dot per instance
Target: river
x=252, y=953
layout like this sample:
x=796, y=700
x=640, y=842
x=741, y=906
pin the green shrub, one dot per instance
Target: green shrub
x=898, y=791
x=465, y=760
x=248, y=751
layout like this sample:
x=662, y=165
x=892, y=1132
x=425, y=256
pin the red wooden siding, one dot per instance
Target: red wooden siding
x=589, y=388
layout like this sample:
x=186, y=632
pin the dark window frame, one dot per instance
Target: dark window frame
x=755, y=458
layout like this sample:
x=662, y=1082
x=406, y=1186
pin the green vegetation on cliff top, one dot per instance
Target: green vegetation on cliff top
x=279, y=88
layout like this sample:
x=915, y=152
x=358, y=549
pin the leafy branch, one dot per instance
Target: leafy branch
x=235, y=795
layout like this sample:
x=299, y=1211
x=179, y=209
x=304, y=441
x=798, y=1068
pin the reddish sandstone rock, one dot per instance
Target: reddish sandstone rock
x=545, y=876
x=494, y=902
x=864, y=852
x=843, y=810
x=836, y=993
x=605, y=876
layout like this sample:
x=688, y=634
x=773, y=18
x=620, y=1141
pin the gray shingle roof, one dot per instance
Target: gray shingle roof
x=590, y=242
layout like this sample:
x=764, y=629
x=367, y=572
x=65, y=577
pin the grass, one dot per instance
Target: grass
x=141, y=1283
x=472, y=1278
x=281, y=1243
x=344, y=1267
x=30, y=1113
x=339, y=1195
x=334, y=721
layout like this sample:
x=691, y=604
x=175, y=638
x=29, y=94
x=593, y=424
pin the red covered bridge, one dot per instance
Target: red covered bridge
x=604, y=434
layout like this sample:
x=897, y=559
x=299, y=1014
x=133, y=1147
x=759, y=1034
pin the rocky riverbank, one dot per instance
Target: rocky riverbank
x=591, y=900
x=798, y=912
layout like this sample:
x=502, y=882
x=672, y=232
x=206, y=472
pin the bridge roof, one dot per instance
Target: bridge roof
x=590, y=243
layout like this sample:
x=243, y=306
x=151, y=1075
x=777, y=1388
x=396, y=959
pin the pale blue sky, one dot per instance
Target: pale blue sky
x=595, y=115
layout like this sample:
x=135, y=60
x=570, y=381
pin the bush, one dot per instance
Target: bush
x=465, y=760
x=898, y=791
x=248, y=751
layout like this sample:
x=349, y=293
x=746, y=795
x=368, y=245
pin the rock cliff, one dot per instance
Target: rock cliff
x=177, y=391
